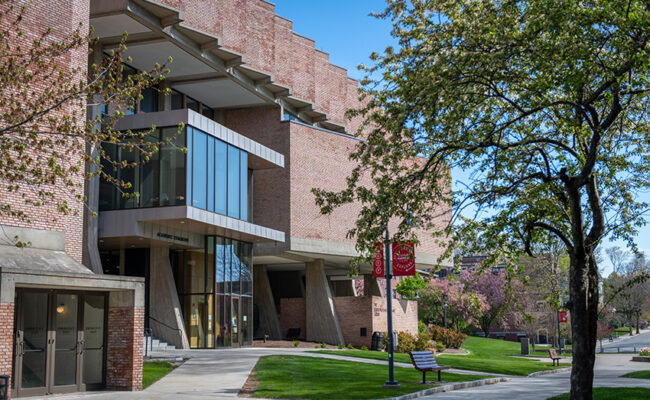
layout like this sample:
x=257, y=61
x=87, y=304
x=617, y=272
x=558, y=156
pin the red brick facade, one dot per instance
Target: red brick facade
x=124, y=348
x=293, y=315
x=6, y=338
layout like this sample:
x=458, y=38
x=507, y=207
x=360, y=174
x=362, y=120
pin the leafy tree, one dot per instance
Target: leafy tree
x=463, y=306
x=500, y=291
x=544, y=102
x=409, y=287
x=628, y=291
x=48, y=141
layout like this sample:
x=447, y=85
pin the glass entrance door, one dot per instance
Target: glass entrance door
x=50, y=341
x=234, y=324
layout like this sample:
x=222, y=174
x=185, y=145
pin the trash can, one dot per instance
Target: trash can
x=377, y=339
x=525, y=346
x=4, y=387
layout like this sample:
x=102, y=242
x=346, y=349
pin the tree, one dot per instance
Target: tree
x=463, y=306
x=543, y=102
x=47, y=139
x=628, y=290
x=500, y=291
x=410, y=286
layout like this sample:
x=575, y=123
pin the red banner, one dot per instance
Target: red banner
x=403, y=259
x=378, y=264
x=563, y=316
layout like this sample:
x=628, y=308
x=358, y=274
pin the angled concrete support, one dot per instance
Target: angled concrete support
x=165, y=317
x=269, y=323
x=371, y=286
x=322, y=323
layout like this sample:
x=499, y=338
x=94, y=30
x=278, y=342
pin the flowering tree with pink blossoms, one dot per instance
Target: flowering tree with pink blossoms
x=500, y=296
x=463, y=306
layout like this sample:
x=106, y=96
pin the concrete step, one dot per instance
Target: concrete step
x=158, y=345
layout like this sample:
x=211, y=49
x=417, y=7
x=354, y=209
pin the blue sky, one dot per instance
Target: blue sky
x=344, y=29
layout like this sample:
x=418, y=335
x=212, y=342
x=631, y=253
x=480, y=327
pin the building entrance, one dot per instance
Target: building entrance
x=59, y=341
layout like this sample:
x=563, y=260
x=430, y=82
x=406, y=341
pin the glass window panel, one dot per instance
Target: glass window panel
x=227, y=323
x=236, y=267
x=196, y=309
x=233, y=182
x=199, y=169
x=150, y=179
x=192, y=104
x=190, y=136
x=177, y=100
x=208, y=112
x=34, y=339
x=218, y=318
x=209, y=267
x=93, y=359
x=221, y=265
x=228, y=260
x=149, y=102
x=129, y=174
x=210, y=170
x=210, y=323
x=65, y=357
x=107, y=190
x=246, y=266
x=172, y=167
x=235, y=320
x=246, y=323
x=243, y=186
x=221, y=176
x=195, y=271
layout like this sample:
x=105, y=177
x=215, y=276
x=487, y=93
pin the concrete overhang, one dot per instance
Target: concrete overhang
x=157, y=31
x=178, y=226
x=260, y=157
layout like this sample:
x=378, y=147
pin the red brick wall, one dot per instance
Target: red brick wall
x=405, y=315
x=63, y=16
x=124, y=348
x=355, y=313
x=292, y=315
x=269, y=44
x=6, y=337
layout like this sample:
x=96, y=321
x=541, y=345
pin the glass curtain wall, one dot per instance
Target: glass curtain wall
x=213, y=175
x=215, y=290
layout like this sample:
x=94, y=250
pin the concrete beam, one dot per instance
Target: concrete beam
x=269, y=323
x=371, y=286
x=322, y=323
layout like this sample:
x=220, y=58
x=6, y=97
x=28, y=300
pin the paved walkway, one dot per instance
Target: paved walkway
x=627, y=343
x=219, y=374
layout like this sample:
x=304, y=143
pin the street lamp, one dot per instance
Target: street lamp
x=444, y=307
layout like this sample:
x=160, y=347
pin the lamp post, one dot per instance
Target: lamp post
x=391, y=382
x=444, y=307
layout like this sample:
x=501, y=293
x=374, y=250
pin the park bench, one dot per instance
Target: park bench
x=554, y=357
x=424, y=361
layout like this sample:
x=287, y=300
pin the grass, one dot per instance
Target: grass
x=153, y=371
x=486, y=355
x=613, y=394
x=638, y=374
x=297, y=377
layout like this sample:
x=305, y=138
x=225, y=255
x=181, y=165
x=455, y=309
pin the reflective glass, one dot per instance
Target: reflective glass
x=34, y=310
x=195, y=271
x=177, y=100
x=149, y=102
x=228, y=261
x=219, y=323
x=190, y=149
x=246, y=323
x=210, y=169
x=65, y=357
x=150, y=180
x=107, y=191
x=221, y=177
x=243, y=186
x=220, y=265
x=199, y=169
x=246, y=267
x=236, y=267
x=172, y=167
x=233, y=182
x=93, y=360
x=131, y=156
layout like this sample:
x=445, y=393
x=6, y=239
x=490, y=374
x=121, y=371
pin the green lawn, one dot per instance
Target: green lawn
x=613, y=394
x=296, y=377
x=487, y=355
x=152, y=371
x=645, y=374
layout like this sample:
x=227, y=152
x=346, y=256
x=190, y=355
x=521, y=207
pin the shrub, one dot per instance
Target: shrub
x=448, y=337
x=423, y=342
x=422, y=328
x=405, y=342
x=364, y=348
x=645, y=352
x=296, y=343
x=340, y=346
x=350, y=346
x=323, y=346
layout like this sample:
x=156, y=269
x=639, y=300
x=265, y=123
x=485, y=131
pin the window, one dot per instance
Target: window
x=233, y=182
x=172, y=168
x=210, y=169
x=221, y=177
x=243, y=186
x=199, y=169
x=177, y=100
x=149, y=102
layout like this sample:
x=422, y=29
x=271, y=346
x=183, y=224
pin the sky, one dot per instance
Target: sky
x=344, y=29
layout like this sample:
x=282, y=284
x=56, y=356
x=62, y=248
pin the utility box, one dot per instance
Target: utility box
x=525, y=346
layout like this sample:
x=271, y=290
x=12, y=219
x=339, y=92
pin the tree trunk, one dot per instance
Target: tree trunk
x=583, y=291
x=637, y=323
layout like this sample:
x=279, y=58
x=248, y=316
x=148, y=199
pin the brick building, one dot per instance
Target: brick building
x=224, y=242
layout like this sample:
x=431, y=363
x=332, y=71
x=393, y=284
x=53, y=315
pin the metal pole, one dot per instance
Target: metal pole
x=391, y=382
x=558, y=330
x=444, y=306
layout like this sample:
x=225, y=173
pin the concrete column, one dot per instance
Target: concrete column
x=322, y=323
x=269, y=323
x=165, y=317
x=371, y=286
x=343, y=288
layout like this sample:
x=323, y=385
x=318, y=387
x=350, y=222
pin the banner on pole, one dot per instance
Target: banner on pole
x=378, y=264
x=403, y=259
x=563, y=316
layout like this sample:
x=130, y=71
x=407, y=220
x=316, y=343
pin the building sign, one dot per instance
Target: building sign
x=172, y=237
x=403, y=259
x=378, y=264
x=563, y=316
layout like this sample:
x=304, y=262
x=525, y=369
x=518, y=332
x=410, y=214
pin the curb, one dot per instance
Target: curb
x=550, y=371
x=449, y=388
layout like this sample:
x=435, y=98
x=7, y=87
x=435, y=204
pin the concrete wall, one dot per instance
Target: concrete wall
x=405, y=315
x=321, y=318
x=269, y=323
